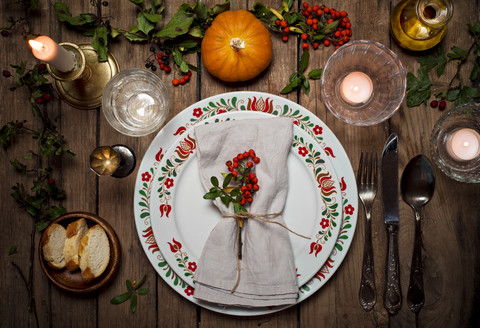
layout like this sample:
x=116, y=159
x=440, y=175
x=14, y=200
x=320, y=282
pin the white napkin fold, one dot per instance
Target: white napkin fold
x=267, y=274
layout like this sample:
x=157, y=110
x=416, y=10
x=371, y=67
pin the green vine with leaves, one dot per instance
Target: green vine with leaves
x=419, y=88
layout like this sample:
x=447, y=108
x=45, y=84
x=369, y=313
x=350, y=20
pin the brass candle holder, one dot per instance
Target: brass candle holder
x=117, y=161
x=83, y=86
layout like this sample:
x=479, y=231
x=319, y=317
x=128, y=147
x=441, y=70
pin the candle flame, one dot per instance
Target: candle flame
x=36, y=45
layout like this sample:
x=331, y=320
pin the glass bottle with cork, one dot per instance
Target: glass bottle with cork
x=419, y=25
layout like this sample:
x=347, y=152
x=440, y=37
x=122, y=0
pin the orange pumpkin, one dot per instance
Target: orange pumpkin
x=236, y=47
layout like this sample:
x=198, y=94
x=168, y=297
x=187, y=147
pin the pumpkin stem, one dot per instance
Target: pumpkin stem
x=237, y=44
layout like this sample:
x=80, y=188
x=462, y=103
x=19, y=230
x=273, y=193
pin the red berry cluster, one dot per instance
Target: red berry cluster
x=317, y=17
x=249, y=181
x=183, y=80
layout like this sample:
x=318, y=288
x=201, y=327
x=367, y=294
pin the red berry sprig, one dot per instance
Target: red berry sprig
x=240, y=185
x=314, y=29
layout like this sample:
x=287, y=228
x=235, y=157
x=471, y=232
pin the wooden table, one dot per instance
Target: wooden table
x=450, y=228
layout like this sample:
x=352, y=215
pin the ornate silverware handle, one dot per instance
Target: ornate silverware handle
x=415, y=294
x=393, y=295
x=367, y=294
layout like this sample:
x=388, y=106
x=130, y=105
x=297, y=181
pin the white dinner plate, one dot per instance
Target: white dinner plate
x=235, y=102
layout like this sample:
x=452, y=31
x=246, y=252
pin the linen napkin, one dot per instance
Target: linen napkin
x=267, y=269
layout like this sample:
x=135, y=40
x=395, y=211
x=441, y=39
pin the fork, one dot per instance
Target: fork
x=367, y=190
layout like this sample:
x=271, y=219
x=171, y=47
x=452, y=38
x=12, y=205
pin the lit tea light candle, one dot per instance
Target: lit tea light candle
x=49, y=51
x=356, y=88
x=104, y=160
x=464, y=144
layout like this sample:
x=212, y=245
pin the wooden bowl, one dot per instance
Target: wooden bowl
x=72, y=281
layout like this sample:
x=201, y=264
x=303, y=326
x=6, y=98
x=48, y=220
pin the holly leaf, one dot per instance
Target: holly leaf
x=220, y=8
x=304, y=61
x=121, y=298
x=144, y=24
x=135, y=37
x=178, y=25
x=100, y=42
x=418, y=89
x=430, y=61
x=292, y=85
x=315, y=74
x=457, y=53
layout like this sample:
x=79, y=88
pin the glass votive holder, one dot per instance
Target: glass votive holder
x=135, y=102
x=117, y=161
x=363, y=83
x=455, y=143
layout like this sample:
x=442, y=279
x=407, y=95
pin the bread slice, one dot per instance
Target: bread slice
x=53, y=246
x=75, y=232
x=94, y=251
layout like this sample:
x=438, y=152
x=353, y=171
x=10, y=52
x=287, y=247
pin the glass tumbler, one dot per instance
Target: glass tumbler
x=135, y=102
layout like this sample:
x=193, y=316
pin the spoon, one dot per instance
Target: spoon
x=417, y=185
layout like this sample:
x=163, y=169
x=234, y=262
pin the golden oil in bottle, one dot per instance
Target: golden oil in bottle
x=420, y=24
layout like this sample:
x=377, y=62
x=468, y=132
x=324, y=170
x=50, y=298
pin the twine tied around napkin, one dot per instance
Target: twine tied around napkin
x=239, y=217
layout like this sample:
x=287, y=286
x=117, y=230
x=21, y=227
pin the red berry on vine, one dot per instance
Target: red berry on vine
x=46, y=97
x=7, y=73
x=285, y=38
x=39, y=100
x=19, y=125
x=277, y=22
x=283, y=24
x=51, y=181
x=228, y=163
x=286, y=30
x=256, y=160
x=250, y=199
x=326, y=43
x=434, y=104
x=235, y=164
x=5, y=33
x=167, y=69
x=250, y=164
x=235, y=173
x=442, y=105
x=175, y=82
x=319, y=12
x=242, y=202
x=255, y=187
x=305, y=46
x=304, y=36
x=249, y=186
x=182, y=81
x=243, y=188
x=305, y=5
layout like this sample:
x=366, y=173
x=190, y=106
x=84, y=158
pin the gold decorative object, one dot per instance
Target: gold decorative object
x=83, y=86
x=117, y=161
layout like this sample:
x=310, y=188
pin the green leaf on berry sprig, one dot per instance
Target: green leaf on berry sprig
x=298, y=79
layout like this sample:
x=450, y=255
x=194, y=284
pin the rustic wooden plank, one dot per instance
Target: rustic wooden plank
x=340, y=294
x=17, y=226
x=74, y=171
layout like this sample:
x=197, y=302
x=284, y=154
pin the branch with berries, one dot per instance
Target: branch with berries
x=40, y=202
x=315, y=26
x=240, y=185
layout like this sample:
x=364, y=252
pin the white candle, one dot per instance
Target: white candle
x=356, y=88
x=464, y=144
x=47, y=50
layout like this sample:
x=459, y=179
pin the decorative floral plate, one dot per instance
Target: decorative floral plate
x=233, y=102
x=180, y=215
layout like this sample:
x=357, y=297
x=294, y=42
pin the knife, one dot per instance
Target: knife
x=393, y=295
